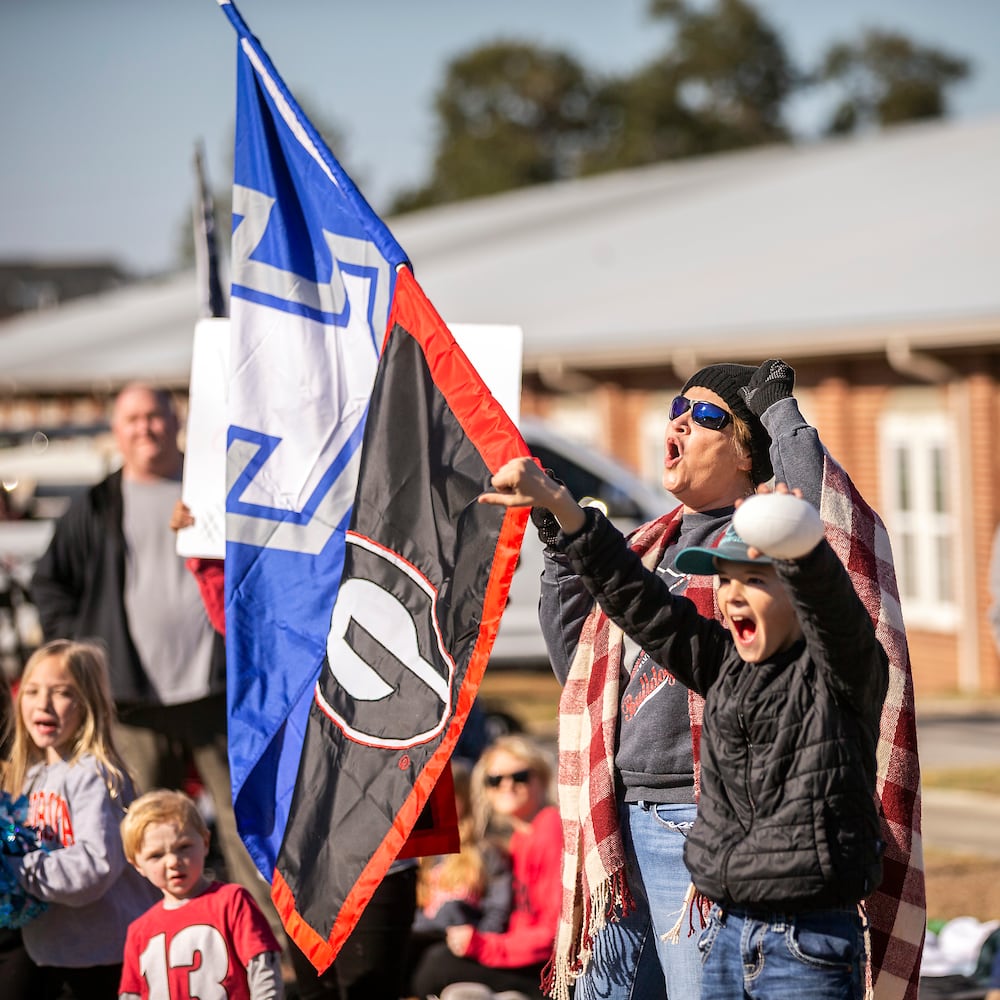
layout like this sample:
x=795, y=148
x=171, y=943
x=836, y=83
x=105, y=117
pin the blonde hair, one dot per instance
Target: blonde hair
x=524, y=749
x=743, y=443
x=161, y=805
x=464, y=872
x=88, y=669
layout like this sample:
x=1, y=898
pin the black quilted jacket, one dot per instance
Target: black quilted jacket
x=787, y=818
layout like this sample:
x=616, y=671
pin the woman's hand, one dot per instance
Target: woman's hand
x=458, y=939
x=521, y=483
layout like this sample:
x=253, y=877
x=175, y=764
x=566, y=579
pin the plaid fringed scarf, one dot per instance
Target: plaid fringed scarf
x=593, y=884
x=897, y=911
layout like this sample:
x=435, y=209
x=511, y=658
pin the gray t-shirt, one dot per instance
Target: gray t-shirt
x=166, y=617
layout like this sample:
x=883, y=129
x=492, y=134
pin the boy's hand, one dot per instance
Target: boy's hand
x=786, y=530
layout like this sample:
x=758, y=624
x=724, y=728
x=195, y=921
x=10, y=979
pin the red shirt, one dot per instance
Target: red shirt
x=200, y=949
x=535, y=857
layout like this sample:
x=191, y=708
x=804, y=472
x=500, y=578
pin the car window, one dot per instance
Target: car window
x=582, y=483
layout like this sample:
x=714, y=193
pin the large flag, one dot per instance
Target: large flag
x=425, y=581
x=314, y=275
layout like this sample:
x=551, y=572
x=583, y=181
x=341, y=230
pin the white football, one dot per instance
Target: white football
x=781, y=525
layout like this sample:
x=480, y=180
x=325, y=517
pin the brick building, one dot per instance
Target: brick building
x=871, y=265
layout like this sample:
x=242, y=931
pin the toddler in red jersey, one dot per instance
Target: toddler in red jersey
x=204, y=938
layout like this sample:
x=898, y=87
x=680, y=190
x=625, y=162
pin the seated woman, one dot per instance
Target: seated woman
x=510, y=790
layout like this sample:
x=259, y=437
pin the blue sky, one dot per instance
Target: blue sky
x=103, y=101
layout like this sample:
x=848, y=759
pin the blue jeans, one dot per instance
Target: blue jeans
x=630, y=961
x=819, y=956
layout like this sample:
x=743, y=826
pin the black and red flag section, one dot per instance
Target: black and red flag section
x=426, y=575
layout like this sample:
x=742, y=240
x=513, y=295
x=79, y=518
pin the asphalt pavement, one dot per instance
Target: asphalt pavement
x=960, y=735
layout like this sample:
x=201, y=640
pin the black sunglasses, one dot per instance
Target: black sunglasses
x=518, y=778
x=704, y=414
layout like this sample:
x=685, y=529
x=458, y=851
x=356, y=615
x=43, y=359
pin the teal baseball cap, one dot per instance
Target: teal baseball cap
x=700, y=561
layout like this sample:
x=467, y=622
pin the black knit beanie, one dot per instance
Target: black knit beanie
x=726, y=381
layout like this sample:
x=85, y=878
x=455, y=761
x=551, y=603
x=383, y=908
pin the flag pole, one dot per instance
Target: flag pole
x=211, y=295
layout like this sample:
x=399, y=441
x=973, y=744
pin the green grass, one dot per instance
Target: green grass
x=968, y=779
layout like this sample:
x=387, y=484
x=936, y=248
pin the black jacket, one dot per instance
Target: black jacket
x=79, y=590
x=787, y=817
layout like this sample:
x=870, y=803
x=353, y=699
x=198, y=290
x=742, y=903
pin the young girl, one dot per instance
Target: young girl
x=64, y=760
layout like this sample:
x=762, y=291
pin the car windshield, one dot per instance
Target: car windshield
x=584, y=483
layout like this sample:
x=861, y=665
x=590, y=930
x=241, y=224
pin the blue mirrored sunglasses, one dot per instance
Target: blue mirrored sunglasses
x=702, y=413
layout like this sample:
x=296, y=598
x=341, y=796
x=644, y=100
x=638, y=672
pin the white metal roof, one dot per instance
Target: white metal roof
x=847, y=238
x=100, y=342
x=817, y=248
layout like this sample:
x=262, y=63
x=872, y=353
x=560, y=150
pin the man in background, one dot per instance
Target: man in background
x=112, y=573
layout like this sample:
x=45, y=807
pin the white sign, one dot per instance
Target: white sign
x=204, y=486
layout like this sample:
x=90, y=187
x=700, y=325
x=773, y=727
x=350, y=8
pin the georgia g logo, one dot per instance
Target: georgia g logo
x=388, y=677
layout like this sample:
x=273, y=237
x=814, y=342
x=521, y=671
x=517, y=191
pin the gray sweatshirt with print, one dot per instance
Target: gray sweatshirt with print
x=92, y=892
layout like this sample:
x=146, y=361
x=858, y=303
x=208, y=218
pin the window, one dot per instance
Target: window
x=583, y=482
x=920, y=516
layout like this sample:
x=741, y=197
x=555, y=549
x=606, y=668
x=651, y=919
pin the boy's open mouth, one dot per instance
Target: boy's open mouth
x=745, y=629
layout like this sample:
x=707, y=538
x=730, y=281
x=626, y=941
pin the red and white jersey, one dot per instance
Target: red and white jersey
x=200, y=949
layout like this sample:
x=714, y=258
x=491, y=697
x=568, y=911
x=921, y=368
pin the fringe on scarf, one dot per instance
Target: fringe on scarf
x=608, y=901
x=694, y=902
x=869, y=975
x=594, y=890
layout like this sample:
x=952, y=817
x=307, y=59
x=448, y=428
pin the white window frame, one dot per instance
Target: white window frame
x=922, y=534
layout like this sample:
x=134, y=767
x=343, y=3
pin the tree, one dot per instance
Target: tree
x=510, y=114
x=732, y=68
x=721, y=83
x=886, y=78
x=642, y=119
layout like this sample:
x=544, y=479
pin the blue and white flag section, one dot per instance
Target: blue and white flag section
x=426, y=577
x=313, y=271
